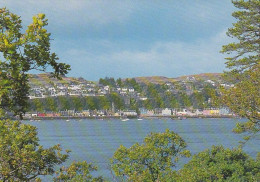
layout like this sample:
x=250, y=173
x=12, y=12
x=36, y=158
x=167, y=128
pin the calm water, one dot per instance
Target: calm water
x=96, y=140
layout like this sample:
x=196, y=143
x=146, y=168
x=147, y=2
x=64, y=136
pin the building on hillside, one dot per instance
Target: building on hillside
x=101, y=113
x=143, y=111
x=61, y=93
x=198, y=112
x=214, y=111
x=129, y=113
x=224, y=111
x=126, y=100
x=206, y=112
x=158, y=111
x=85, y=113
x=182, y=112
x=150, y=112
x=74, y=93
x=142, y=98
x=41, y=115
x=131, y=89
x=106, y=88
x=166, y=112
x=68, y=113
x=211, y=112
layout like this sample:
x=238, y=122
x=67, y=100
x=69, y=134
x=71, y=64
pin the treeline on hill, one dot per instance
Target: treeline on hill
x=158, y=96
x=77, y=103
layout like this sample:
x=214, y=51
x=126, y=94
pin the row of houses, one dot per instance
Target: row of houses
x=211, y=112
x=83, y=113
x=186, y=112
x=89, y=89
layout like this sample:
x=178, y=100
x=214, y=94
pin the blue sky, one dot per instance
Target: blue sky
x=130, y=38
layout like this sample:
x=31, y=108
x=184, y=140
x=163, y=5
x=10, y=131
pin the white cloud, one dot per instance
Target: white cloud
x=163, y=58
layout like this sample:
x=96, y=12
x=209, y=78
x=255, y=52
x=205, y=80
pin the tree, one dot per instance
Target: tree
x=198, y=100
x=152, y=160
x=185, y=100
x=220, y=164
x=91, y=104
x=77, y=103
x=38, y=105
x=117, y=100
x=77, y=171
x=21, y=156
x=64, y=103
x=50, y=104
x=243, y=63
x=119, y=82
x=23, y=52
x=104, y=103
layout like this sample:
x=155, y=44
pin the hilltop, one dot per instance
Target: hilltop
x=162, y=79
x=45, y=79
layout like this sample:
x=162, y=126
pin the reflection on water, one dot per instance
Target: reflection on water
x=96, y=140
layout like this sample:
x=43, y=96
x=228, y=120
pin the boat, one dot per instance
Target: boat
x=139, y=119
x=125, y=119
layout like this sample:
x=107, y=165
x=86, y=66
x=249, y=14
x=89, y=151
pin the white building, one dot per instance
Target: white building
x=129, y=113
x=166, y=112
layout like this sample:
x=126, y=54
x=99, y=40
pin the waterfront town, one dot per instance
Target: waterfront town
x=158, y=112
x=129, y=91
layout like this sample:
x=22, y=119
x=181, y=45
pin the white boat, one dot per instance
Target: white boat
x=125, y=119
x=139, y=119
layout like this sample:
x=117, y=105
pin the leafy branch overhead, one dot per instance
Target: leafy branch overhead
x=244, y=65
x=23, y=52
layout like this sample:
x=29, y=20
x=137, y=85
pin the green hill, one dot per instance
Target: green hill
x=45, y=79
x=162, y=79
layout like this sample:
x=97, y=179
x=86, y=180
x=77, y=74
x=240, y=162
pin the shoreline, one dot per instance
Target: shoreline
x=124, y=117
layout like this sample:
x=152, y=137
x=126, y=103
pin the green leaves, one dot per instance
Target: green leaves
x=21, y=156
x=220, y=164
x=77, y=171
x=23, y=52
x=243, y=99
x=152, y=160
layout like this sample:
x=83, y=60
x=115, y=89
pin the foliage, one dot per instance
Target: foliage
x=220, y=164
x=21, y=156
x=243, y=63
x=244, y=100
x=132, y=83
x=198, y=100
x=107, y=81
x=117, y=100
x=23, y=52
x=152, y=160
x=185, y=100
x=77, y=171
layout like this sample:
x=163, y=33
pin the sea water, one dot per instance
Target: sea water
x=96, y=140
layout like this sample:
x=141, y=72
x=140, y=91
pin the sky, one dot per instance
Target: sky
x=133, y=38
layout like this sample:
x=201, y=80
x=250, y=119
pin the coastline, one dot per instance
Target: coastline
x=120, y=117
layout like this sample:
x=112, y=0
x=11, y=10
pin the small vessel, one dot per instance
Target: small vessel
x=67, y=120
x=125, y=119
x=139, y=119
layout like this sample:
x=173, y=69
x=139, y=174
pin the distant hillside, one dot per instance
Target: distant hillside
x=203, y=76
x=162, y=79
x=45, y=79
